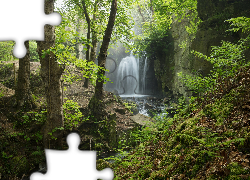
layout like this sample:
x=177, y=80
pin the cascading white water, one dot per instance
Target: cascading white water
x=128, y=76
x=144, y=76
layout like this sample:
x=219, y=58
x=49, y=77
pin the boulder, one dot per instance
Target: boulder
x=120, y=111
x=142, y=120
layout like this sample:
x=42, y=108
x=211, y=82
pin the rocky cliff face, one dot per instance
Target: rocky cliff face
x=210, y=32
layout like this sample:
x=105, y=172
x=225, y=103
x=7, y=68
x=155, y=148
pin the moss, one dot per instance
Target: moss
x=102, y=164
x=19, y=165
x=219, y=110
x=236, y=171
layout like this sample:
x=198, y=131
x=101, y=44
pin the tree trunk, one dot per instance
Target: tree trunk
x=51, y=73
x=23, y=94
x=78, y=45
x=86, y=82
x=96, y=104
x=93, y=49
x=94, y=39
x=104, y=48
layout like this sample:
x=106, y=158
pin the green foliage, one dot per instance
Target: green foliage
x=116, y=99
x=240, y=23
x=156, y=18
x=6, y=49
x=1, y=94
x=33, y=53
x=19, y=164
x=54, y=130
x=235, y=170
x=220, y=109
x=226, y=60
x=121, y=154
x=38, y=117
x=5, y=156
x=66, y=40
x=72, y=115
x=101, y=9
x=91, y=70
x=5, y=69
x=197, y=84
x=14, y=161
x=129, y=105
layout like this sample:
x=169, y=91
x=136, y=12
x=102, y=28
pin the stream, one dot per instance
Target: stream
x=147, y=105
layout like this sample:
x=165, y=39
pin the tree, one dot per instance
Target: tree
x=84, y=7
x=23, y=94
x=95, y=14
x=156, y=18
x=95, y=104
x=51, y=72
x=90, y=57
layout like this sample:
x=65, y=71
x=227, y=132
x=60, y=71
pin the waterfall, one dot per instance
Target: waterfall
x=144, y=76
x=128, y=76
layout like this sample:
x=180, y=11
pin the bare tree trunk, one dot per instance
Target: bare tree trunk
x=78, y=45
x=104, y=48
x=94, y=39
x=86, y=82
x=23, y=93
x=95, y=104
x=51, y=73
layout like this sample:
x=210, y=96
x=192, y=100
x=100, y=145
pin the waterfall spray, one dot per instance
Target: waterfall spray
x=128, y=76
x=144, y=76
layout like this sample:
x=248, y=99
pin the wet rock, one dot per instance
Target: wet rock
x=120, y=111
x=134, y=110
x=166, y=100
x=148, y=106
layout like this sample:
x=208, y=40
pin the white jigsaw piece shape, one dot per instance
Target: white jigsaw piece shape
x=23, y=20
x=72, y=164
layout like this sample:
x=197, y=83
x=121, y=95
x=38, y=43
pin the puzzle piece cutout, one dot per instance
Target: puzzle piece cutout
x=130, y=77
x=72, y=164
x=23, y=20
x=112, y=67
